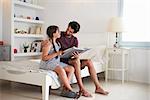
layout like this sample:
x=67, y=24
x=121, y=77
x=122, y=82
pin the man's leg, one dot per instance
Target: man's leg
x=77, y=67
x=93, y=74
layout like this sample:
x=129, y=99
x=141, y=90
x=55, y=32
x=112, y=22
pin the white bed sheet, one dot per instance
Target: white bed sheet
x=28, y=66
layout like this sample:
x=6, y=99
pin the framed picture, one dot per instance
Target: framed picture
x=36, y=46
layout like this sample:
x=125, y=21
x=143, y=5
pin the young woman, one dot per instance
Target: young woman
x=51, y=61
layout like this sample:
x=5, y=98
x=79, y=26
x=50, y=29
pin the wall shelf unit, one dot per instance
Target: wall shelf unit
x=28, y=36
x=24, y=33
x=28, y=5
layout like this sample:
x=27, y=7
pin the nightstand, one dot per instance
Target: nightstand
x=115, y=56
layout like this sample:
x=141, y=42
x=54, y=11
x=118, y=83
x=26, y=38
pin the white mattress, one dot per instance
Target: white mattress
x=28, y=66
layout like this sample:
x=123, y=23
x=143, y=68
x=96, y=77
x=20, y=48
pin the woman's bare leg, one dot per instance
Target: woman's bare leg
x=69, y=70
x=63, y=76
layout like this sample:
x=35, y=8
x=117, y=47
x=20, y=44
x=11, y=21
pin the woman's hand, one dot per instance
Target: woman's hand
x=59, y=52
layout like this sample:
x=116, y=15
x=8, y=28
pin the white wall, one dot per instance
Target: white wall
x=0, y=19
x=148, y=65
x=92, y=15
x=139, y=65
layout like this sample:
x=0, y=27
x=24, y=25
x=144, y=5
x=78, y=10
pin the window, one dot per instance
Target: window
x=136, y=17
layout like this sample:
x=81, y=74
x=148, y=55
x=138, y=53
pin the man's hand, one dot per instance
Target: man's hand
x=75, y=55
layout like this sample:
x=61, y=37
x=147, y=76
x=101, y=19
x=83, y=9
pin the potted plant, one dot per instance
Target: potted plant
x=25, y=47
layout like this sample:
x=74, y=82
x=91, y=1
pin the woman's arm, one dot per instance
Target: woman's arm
x=46, y=46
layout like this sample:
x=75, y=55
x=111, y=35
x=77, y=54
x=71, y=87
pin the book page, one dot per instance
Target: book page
x=68, y=53
x=88, y=54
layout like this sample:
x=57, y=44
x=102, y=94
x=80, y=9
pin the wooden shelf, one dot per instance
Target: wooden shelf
x=28, y=36
x=28, y=21
x=27, y=54
x=28, y=5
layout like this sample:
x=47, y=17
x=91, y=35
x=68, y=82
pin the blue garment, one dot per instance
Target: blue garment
x=51, y=64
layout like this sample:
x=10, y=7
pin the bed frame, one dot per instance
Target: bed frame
x=43, y=79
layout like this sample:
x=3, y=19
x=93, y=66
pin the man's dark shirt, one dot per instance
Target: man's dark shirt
x=66, y=42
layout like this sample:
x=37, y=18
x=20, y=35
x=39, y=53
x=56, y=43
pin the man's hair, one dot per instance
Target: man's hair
x=74, y=25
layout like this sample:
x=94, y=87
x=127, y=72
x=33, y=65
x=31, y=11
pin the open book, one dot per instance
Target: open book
x=68, y=53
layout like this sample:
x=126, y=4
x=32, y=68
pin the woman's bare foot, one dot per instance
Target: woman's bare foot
x=101, y=91
x=85, y=93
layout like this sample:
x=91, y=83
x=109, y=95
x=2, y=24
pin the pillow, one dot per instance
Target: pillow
x=96, y=53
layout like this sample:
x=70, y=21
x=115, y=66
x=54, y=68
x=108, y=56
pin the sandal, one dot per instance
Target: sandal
x=70, y=94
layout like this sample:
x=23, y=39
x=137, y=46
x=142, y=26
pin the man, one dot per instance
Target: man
x=68, y=40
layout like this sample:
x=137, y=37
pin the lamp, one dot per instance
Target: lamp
x=116, y=25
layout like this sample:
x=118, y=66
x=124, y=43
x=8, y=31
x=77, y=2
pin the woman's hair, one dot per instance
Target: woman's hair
x=50, y=31
x=74, y=25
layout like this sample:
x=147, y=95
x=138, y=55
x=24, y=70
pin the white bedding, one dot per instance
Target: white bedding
x=97, y=54
x=28, y=66
x=32, y=66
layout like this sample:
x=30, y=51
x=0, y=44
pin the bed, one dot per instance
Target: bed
x=28, y=72
x=11, y=71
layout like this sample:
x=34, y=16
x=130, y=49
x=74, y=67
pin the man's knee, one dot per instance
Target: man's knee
x=88, y=63
x=74, y=62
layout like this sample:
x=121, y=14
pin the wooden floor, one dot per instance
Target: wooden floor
x=128, y=91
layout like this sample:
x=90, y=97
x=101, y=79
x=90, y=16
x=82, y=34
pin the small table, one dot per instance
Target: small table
x=111, y=64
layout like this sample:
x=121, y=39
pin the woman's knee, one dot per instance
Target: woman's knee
x=59, y=69
x=71, y=69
